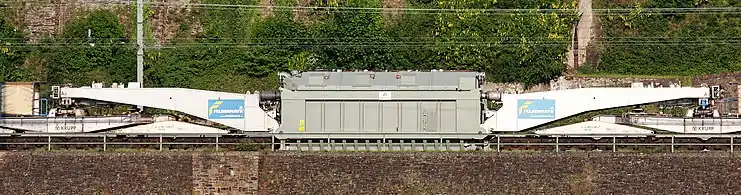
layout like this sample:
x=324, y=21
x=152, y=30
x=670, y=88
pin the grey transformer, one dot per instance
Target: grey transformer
x=380, y=105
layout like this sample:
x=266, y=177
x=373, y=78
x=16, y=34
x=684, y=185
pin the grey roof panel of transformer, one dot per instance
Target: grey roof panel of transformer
x=371, y=81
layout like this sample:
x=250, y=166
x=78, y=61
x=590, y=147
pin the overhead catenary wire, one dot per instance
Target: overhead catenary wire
x=365, y=45
x=350, y=41
x=394, y=41
x=309, y=41
x=170, y=4
x=407, y=10
x=394, y=38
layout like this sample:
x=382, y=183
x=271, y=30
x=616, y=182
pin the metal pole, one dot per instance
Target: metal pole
x=498, y=144
x=731, y=144
x=104, y=141
x=442, y=144
x=48, y=141
x=613, y=144
x=160, y=142
x=217, y=143
x=556, y=143
x=140, y=43
x=672, y=144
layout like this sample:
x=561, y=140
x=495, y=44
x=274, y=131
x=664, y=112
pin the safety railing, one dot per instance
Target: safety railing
x=387, y=142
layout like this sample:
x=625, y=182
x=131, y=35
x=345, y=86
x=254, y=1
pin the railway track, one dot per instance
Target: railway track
x=657, y=144
x=497, y=143
x=135, y=142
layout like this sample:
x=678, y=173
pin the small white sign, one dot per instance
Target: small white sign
x=384, y=95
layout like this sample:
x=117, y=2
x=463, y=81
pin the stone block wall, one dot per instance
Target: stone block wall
x=500, y=173
x=44, y=18
x=572, y=82
x=230, y=173
x=91, y=173
x=730, y=84
x=367, y=173
x=128, y=173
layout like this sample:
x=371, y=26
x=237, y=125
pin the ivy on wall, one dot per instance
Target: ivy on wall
x=93, y=48
x=648, y=43
x=513, y=47
x=241, y=49
x=13, y=53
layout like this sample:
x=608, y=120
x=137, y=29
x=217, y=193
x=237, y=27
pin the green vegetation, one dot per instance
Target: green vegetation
x=240, y=49
x=103, y=56
x=13, y=54
x=250, y=145
x=649, y=42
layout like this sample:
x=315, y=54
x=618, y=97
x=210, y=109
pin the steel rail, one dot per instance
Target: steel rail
x=501, y=141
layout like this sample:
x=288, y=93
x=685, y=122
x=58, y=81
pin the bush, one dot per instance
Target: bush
x=692, y=44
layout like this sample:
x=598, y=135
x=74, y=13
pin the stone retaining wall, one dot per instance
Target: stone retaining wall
x=367, y=173
x=91, y=173
x=501, y=173
x=225, y=172
x=44, y=18
x=582, y=82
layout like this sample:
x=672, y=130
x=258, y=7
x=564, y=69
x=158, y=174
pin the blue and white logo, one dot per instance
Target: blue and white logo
x=226, y=109
x=536, y=109
x=704, y=102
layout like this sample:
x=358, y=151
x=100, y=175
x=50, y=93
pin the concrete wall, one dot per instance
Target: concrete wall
x=367, y=173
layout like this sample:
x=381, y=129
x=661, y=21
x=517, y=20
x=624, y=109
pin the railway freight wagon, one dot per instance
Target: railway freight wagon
x=360, y=106
x=376, y=105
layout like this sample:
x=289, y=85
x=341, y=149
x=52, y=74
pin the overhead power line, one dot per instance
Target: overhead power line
x=407, y=10
x=391, y=40
x=515, y=10
x=394, y=41
x=418, y=44
x=703, y=9
x=394, y=38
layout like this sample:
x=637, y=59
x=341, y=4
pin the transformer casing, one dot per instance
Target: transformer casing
x=376, y=105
